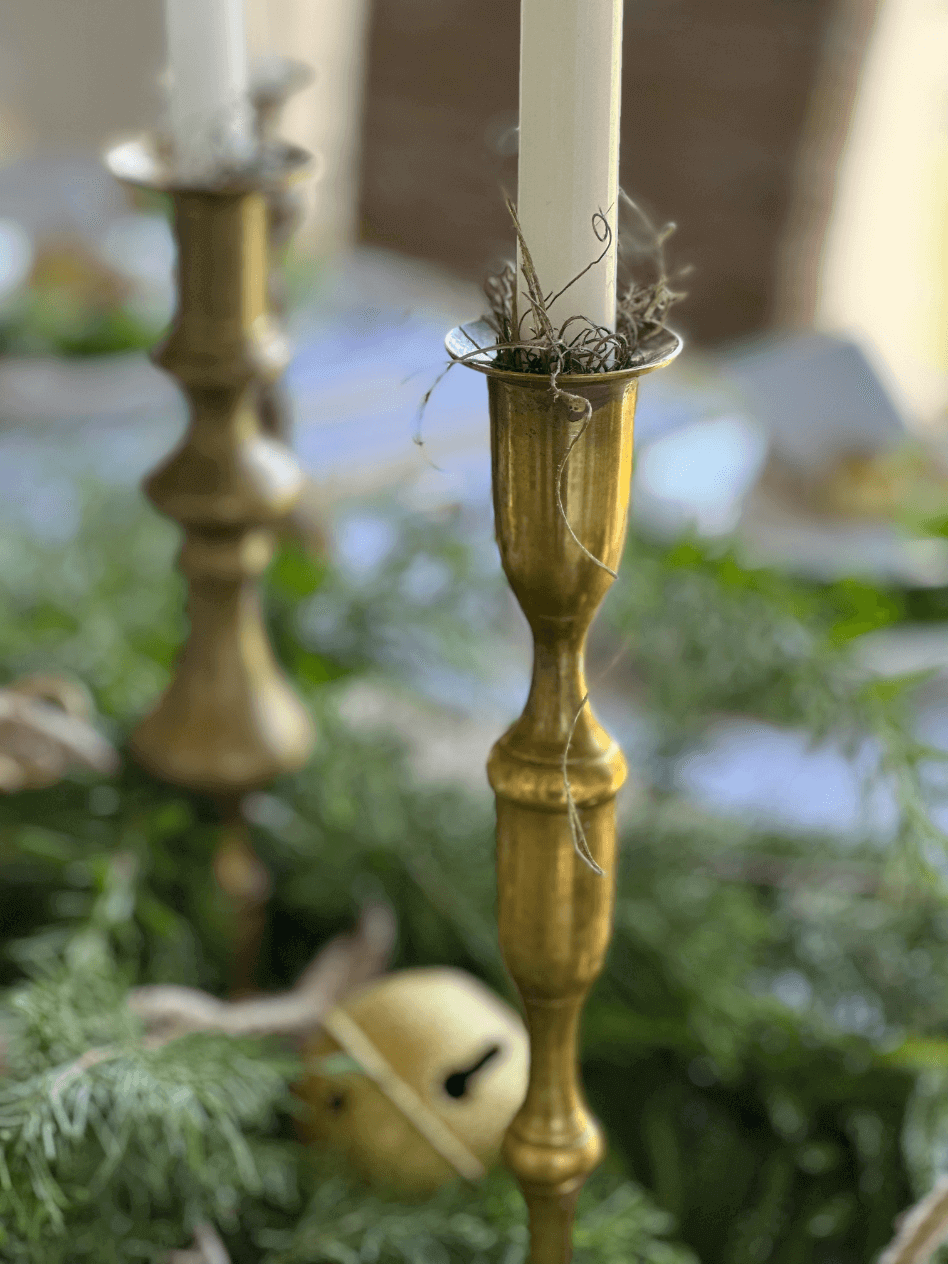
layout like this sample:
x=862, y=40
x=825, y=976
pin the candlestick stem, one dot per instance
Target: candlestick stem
x=246, y=885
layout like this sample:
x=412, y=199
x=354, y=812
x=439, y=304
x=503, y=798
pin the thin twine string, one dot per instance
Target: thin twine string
x=560, y=473
x=921, y=1230
x=373, y=1063
x=580, y=842
x=578, y=834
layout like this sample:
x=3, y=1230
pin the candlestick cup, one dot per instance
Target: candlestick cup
x=561, y=482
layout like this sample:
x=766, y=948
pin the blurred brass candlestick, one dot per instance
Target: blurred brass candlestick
x=274, y=82
x=229, y=721
x=554, y=909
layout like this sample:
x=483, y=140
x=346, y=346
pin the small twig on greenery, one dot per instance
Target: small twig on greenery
x=922, y=1229
x=208, y=1248
x=91, y=1058
x=796, y=875
x=45, y=731
x=342, y=965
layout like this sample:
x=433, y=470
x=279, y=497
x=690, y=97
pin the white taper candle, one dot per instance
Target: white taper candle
x=570, y=79
x=210, y=113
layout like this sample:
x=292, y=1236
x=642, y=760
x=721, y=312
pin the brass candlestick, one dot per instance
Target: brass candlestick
x=229, y=721
x=556, y=771
x=275, y=81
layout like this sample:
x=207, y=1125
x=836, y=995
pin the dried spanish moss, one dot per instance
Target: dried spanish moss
x=579, y=345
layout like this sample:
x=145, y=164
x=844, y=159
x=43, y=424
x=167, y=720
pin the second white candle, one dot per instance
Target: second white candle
x=570, y=83
x=209, y=107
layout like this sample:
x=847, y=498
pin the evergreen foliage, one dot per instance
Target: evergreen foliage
x=616, y=1224
x=708, y=636
x=754, y=1045
x=111, y=1145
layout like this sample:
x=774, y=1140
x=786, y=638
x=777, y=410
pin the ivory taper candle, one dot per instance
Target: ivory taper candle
x=210, y=115
x=570, y=74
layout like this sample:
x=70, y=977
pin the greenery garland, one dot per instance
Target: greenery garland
x=753, y=1048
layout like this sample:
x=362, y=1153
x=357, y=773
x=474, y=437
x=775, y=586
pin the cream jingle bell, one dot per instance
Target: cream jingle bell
x=415, y=1079
x=412, y=1076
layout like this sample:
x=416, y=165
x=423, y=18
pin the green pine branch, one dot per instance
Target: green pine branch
x=770, y=997
x=103, y=1133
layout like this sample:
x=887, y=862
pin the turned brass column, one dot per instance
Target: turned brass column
x=275, y=81
x=229, y=722
x=554, y=908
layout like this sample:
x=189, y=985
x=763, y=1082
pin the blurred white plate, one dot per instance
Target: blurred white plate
x=16, y=257
x=697, y=477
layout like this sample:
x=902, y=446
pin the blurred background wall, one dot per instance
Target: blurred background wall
x=714, y=105
x=800, y=145
x=883, y=264
x=327, y=117
x=73, y=73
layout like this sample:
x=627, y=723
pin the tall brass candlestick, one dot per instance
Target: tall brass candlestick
x=554, y=909
x=229, y=721
x=274, y=82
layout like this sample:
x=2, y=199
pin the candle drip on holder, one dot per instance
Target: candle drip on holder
x=212, y=148
x=209, y=114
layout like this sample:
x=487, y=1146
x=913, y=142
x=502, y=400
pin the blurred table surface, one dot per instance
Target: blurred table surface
x=367, y=349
